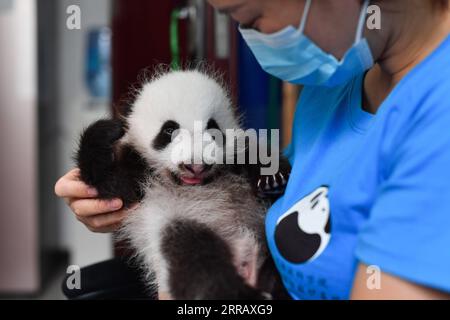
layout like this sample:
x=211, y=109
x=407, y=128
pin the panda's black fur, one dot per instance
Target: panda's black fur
x=193, y=254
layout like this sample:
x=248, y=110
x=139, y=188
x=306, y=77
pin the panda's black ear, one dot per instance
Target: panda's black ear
x=212, y=124
x=122, y=110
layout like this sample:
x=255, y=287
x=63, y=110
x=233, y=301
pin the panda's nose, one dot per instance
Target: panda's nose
x=196, y=168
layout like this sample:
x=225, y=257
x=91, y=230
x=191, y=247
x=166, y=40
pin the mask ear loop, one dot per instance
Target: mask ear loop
x=362, y=21
x=305, y=16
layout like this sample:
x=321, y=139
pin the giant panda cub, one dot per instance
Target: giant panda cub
x=199, y=227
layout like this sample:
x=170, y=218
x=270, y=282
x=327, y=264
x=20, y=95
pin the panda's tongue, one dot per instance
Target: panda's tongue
x=191, y=181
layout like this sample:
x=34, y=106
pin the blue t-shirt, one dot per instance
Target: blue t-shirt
x=367, y=189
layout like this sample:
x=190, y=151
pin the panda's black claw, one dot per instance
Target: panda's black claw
x=267, y=186
x=267, y=296
x=258, y=185
x=282, y=179
x=275, y=183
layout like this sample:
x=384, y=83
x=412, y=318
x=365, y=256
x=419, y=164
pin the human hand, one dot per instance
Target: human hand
x=98, y=215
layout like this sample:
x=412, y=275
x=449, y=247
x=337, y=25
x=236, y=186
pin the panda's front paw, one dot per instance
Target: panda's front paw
x=103, y=134
x=95, y=157
x=275, y=184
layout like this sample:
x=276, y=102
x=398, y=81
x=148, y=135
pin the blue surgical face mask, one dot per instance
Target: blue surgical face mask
x=291, y=56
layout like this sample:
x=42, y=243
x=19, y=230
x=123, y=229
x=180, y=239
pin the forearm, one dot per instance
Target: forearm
x=391, y=288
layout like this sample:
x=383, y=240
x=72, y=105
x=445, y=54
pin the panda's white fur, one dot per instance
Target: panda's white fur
x=222, y=205
x=226, y=205
x=186, y=96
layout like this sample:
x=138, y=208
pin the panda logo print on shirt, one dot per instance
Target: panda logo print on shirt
x=303, y=232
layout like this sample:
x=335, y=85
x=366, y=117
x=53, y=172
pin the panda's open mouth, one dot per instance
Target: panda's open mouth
x=191, y=181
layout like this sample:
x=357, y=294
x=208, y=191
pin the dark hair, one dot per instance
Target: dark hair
x=442, y=3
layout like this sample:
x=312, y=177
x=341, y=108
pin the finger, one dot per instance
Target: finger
x=70, y=188
x=74, y=189
x=73, y=174
x=91, y=207
x=107, y=221
x=164, y=296
x=108, y=229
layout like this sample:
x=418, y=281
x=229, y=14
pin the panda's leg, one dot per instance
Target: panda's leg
x=269, y=280
x=200, y=264
x=115, y=171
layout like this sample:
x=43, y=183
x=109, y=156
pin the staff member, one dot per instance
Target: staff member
x=370, y=184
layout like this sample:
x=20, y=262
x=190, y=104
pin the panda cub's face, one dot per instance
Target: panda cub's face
x=179, y=124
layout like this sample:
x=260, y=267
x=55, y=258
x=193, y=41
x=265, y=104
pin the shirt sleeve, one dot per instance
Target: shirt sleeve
x=407, y=233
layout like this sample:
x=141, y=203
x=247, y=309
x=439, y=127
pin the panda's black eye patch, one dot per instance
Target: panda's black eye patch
x=169, y=130
x=164, y=136
x=212, y=125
